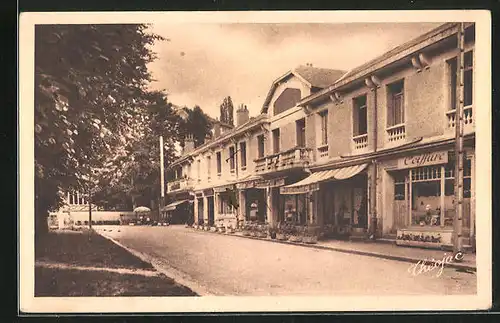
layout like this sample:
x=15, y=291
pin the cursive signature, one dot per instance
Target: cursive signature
x=425, y=266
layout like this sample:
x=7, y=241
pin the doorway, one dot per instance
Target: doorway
x=200, y=210
x=210, y=202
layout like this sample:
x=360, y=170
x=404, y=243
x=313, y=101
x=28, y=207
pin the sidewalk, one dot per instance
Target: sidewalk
x=380, y=250
x=83, y=263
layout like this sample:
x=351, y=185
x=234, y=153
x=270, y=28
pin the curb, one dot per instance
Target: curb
x=351, y=251
x=169, y=272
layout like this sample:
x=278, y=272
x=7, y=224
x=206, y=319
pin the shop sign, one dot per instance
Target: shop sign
x=275, y=182
x=199, y=194
x=223, y=188
x=425, y=159
x=246, y=185
x=208, y=192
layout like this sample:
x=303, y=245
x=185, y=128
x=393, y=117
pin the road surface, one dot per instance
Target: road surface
x=236, y=266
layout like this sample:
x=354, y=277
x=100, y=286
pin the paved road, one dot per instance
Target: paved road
x=228, y=265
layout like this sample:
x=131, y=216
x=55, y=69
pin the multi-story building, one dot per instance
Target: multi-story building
x=367, y=151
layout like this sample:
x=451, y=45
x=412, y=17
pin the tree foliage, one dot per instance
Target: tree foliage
x=197, y=124
x=91, y=98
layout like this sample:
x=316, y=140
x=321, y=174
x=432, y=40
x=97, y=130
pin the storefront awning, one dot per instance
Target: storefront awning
x=311, y=183
x=173, y=206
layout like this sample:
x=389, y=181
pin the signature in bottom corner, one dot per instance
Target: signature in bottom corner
x=425, y=266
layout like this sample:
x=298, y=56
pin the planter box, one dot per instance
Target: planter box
x=310, y=240
x=246, y=233
x=281, y=236
x=295, y=239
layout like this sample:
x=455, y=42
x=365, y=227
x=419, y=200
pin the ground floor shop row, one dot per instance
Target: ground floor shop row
x=410, y=198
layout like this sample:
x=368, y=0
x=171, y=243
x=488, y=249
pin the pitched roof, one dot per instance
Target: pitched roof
x=319, y=77
x=314, y=77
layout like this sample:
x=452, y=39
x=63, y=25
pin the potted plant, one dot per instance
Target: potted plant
x=296, y=234
x=310, y=235
x=272, y=232
x=246, y=230
x=262, y=231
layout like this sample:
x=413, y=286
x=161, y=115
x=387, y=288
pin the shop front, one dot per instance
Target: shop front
x=334, y=199
x=423, y=199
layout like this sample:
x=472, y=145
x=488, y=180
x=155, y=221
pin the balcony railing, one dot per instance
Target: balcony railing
x=360, y=141
x=468, y=118
x=396, y=133
x=296, y=157
x=323, y=151
x=180, y=184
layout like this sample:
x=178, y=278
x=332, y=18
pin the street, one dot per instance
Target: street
x=235, y=266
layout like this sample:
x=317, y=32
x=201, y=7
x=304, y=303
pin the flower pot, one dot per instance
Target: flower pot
x=246, y=233
x=273, y=235
x=295, y=239
x=213, y=229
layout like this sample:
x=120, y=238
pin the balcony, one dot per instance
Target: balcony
x=396, y=133
x=293, y=158
x=180, y=184
x=360, y=142
x=468, y=119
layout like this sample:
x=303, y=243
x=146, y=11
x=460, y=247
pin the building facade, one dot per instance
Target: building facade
x=369, y=152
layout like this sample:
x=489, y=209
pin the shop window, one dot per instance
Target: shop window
x=295, y=208
x=395, y=101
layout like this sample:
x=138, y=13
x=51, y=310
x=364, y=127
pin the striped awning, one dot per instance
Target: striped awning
x=173, y=206
x=311, y=183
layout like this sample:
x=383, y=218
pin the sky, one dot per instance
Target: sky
x=200, y=64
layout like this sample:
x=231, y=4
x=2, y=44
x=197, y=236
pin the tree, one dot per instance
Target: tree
x=197, y=124
x=90, y=99
x=226, y=111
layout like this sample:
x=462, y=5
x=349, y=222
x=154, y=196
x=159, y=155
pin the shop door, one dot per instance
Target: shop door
x=401, y=205
x=210, y=200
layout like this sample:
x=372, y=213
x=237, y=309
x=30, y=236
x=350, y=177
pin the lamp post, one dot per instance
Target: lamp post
x=162, y=179
x=459, y=152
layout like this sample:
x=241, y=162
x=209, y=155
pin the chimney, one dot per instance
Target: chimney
x=188, y=144
x=217, y=130
x=242, y=115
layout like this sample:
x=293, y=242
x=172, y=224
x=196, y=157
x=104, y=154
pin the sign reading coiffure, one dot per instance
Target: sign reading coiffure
x=425, y=159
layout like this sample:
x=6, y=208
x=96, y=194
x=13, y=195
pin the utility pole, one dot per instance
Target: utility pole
x=162, y=178
x=459, y=149
x=90, y=200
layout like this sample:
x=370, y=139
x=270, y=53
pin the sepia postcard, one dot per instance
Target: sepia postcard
x=286, y=161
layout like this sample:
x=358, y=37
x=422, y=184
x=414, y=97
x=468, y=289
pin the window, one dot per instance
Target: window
x=219, y=163
x=395, y=104
x=399, y=186
x=468, y=78
x=231, y=158
x=324, y=127
x=209, y=166
x=452, y=70
x=260, y=146
x=243, y=154
x=300, y=126
x=276, y=141
x=189, y=171
x=360, y=116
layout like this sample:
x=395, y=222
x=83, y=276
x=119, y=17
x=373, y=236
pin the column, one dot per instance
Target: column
x=242, y=208
x=195, y=210
x=205, y=209
x=270, y=204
